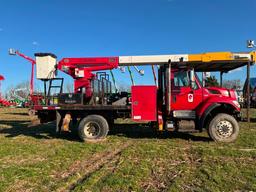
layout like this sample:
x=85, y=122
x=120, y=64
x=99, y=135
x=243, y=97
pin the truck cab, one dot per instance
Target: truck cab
x=186, y=100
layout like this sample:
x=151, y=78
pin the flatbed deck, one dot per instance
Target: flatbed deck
x=83, y=107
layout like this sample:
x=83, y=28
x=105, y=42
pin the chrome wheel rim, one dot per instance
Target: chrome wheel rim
x=91, y=129
x=224, y=129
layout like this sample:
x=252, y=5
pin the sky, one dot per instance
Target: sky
x=87, y=28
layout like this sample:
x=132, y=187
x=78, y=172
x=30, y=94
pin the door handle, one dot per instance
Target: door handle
x=135, y=103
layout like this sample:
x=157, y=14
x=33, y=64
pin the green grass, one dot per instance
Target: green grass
x=133, y=158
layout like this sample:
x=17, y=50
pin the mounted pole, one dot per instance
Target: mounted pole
x=45, y=93
x=154, y=74
x=221, y=78
x=130, y=73
x=248, y=92
x=114, y=81
x=169, y=88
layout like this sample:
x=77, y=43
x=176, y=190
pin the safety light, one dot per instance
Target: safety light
x=122, y=69
x=250, y=44
x=12, y=51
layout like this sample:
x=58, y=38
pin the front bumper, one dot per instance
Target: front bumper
x=238, y=115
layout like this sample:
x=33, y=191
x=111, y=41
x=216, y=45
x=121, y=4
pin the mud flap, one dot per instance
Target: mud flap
x=58, y=122
x=66, y=122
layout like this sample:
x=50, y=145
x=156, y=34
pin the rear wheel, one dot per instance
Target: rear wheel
x=93, y=128
x=223, y=128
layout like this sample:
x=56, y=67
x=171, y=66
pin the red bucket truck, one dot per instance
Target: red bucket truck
x=179, y=99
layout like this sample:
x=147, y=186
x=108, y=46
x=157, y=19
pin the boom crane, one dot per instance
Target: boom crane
x=34, y=99
x=1, y=79
x=81, y=70
x=3, y=101
x=32, y=61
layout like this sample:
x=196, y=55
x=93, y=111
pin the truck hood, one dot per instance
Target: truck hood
x=223, y=91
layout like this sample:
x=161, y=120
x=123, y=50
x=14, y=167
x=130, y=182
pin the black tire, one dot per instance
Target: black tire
x=223, y=128
x=93, y=128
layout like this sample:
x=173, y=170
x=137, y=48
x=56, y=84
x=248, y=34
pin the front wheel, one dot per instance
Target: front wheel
x=223, y=128
x=93, y=128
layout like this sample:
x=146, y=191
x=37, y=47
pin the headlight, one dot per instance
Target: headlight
x=236, y=103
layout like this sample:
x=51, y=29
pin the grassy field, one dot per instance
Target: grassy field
x=132, y=159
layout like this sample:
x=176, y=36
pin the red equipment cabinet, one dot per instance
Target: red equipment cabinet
x=144, y=103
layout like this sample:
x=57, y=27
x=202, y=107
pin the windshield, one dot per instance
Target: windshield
x=181, y=79
x=199, y=80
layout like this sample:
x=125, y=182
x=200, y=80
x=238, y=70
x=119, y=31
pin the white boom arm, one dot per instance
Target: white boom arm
x=150, y=59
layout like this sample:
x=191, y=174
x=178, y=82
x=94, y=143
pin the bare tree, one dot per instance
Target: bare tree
x=211, y=82
x=19, y=91
x=232, y=84
x=124, y=87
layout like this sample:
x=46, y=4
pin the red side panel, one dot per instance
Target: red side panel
x=144, y=103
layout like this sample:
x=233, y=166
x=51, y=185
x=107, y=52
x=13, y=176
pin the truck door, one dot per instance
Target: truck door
x=183, y=97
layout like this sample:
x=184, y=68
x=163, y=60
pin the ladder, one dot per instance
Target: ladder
x=52, y=86
x=48, y=96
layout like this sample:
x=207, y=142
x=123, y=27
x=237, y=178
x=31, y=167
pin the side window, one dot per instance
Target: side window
x=181, y=79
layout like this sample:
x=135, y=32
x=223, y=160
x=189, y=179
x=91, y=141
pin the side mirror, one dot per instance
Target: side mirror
x=12, y=51
x=192, y=79
x=141, y=72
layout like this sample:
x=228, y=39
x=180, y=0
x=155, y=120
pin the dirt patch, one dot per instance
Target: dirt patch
x=82, y=170
x=20, y=160
x=240, y=160
x=239, y=149
x=21, y=186
x=162, y=177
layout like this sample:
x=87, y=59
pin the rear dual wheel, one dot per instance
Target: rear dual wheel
x=93, y=128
